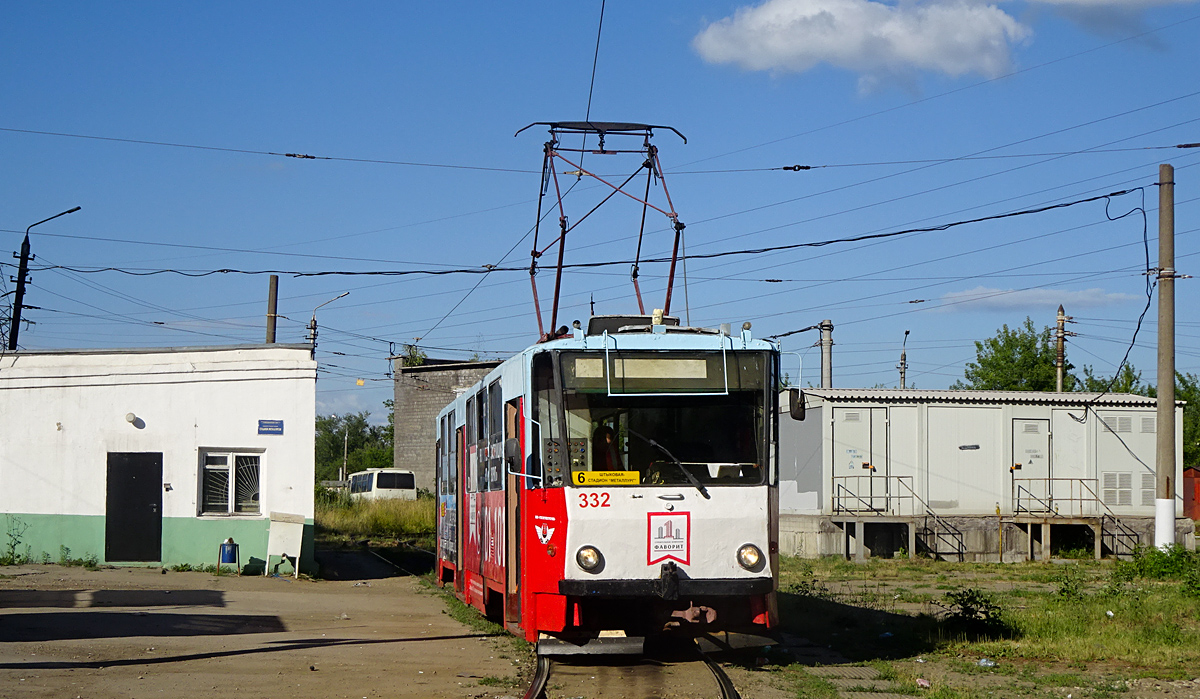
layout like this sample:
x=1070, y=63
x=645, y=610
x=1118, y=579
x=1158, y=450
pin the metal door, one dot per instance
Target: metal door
x=133, y=507
x=860, y=459
x=1031, y=465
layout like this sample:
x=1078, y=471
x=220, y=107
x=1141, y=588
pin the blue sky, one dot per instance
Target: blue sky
x=914, y=114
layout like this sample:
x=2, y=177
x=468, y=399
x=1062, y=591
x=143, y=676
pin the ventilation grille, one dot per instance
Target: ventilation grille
x=1148, y=488
x=1120, y=424
x=1148, y=425
x=852, y=417
x=1031, y=428
x=1118, y=488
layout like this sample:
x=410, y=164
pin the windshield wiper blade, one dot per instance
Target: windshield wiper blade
x=687, y=474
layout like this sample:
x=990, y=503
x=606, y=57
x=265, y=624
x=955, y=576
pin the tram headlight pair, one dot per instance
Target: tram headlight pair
x=589, y=559
x=750, y=557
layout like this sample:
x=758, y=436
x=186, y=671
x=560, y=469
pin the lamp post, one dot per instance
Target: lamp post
x=22, y=272
x=312, y=324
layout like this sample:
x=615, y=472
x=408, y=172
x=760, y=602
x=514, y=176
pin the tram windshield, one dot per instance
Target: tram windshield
x=673, y=418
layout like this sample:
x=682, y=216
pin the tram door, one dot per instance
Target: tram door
x=512, y=493
x=460, y=493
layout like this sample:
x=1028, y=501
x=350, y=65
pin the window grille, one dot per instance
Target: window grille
x=229, y=484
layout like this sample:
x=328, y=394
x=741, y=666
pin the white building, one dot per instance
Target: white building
x=156, y=455
x=970, y=472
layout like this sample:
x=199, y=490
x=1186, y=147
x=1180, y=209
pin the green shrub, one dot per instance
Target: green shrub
x=1156, y=564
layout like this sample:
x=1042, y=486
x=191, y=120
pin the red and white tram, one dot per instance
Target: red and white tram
x=618, y=480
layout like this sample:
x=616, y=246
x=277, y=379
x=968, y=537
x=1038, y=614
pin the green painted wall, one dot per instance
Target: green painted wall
x=191, y=540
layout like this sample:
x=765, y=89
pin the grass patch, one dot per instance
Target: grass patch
x=375, y=519
x=1090, y=624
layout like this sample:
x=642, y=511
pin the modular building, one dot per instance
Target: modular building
x=157, y=456
x=973, y=475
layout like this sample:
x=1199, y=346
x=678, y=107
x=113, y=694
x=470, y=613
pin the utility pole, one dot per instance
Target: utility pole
x=826, y=327
x=903, y=365
x=19, y=299
x=272, y=304
x=1061, y=334
x=345, y=449
x=22, y=280
x=1164, y=491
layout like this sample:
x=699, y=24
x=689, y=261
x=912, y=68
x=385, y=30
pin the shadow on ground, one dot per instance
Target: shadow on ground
x=861, y=633
x=373, y=563
x=77, y=599
x=58, y=626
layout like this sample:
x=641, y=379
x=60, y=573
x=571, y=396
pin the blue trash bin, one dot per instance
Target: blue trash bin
x=229, y=554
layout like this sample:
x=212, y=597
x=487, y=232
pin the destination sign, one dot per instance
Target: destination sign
x=606, y=478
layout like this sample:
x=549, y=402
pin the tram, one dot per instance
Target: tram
x=615, y=482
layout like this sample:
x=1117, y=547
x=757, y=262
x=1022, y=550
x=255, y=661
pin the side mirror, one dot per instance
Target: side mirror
x=512, y=451
x=796, y=403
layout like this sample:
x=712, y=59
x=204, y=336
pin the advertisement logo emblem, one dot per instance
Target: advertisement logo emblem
x=668, y=537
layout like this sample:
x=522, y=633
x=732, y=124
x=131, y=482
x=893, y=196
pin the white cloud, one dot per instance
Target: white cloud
x=983, y=298
x=877, y=40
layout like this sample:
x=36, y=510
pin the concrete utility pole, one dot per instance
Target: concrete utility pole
x=1060, y=361
x=272, y=304
x=1164, y=503
x=826, y=327
x=903, y=365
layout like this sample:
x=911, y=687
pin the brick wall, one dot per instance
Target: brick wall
x=421, y=393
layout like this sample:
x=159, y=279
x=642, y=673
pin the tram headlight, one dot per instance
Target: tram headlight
x=590, y=559
x=750, y=557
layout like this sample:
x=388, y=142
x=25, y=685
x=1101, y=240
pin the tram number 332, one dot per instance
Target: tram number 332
x=593, y=500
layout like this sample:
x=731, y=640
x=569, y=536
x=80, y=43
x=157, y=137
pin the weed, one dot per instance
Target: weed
x=182, y=567
x=1191, y=583
x=809, y=586
x=493, y=681
x=973, y=605
x=88, y=562
x=14, y=532
x=1070, y=584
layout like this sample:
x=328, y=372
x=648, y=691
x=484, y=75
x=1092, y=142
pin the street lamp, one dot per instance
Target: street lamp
x=312, y=324
x=22, y=272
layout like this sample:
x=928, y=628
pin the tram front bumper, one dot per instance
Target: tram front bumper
x=669, y=585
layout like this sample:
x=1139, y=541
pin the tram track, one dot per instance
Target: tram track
x=680, y=673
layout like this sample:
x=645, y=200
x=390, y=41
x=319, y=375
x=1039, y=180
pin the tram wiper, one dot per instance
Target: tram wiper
x=687, y=474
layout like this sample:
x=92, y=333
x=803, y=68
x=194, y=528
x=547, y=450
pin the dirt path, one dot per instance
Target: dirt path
x=68, y=632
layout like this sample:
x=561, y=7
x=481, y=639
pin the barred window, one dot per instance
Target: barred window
x=229, y=484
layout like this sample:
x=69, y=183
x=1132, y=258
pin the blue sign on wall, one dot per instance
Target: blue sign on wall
x=270, y=426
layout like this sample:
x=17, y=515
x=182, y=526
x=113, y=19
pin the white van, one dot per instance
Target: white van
x=383, y=484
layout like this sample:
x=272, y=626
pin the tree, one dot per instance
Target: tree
x=1187, y=388
x=1127, y=380
x=366, y=445
x=1020, y=359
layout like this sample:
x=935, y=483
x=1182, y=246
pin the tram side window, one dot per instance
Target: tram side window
x=472, y=444
x=512, y=430
x=495, y=479
x=481, y=430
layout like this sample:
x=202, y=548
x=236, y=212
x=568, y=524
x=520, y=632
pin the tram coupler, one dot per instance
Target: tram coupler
x=607, y=643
